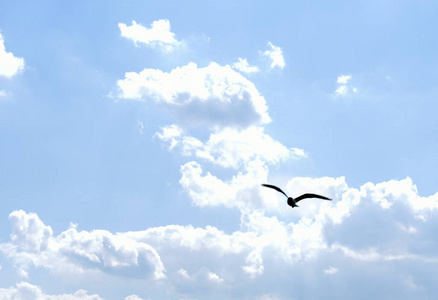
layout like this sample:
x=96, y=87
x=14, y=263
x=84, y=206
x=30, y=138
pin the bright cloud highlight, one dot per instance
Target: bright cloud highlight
x=230, y=147
x=33, y=244
x=243, y=66
x=159, y=35
x=195, y=257
x=10, y=65
x=344, y=89
x=275, y=55
x=24, y=290
x=216, y=96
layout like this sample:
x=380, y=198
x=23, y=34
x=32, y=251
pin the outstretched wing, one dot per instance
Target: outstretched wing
x=275, y=188
x=304, y=196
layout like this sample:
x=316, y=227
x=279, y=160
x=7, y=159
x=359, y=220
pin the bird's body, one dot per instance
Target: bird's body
x=293, y=201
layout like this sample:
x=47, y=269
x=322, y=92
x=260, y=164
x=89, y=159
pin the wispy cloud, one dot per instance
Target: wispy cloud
x=331, y=270
x=140, y=127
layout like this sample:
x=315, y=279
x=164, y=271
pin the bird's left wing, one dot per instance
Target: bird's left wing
x=304, y=196
x=275, y=188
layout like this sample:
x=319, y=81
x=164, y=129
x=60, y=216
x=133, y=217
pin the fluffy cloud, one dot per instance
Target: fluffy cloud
x=159, y=35
x=275, y=56
x=230, y=147
x=241, y=191
x=9, y=64
x=344, y=89
x=376, y=226
x=216, y=96
x=343, y=79
x=243, y=66
x=33, y=244
x=26, y=290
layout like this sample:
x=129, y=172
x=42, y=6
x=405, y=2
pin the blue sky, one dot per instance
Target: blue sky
x=134, y=136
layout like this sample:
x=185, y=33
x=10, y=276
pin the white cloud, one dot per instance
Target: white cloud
x=29, y=291
x=183, y=273
x=230, y=147
x=357, y=232
x=331, y=270
x=158, y=35
x=140, y=127
x=241, y=191
x=3, y=93
x=343, y=79
x=33, y=244
x=254, y=264
x=29, y=232
x=214, y=96
x=243, y=66
x=133, y=297
x=214, y=277
x=344, y=89
x=275, y=55
x=9, y=64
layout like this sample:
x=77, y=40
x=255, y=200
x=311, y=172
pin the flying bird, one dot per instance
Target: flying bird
x=293, y=201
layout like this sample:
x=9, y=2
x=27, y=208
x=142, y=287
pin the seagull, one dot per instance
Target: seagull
x=293, y=202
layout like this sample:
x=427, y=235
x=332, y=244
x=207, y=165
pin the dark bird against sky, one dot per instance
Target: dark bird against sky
x=293, y=201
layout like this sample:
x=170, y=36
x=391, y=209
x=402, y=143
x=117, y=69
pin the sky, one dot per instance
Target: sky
x=135, y=136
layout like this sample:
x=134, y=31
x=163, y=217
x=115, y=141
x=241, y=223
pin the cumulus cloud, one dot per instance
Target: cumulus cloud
x=26, y=290
x=33, y=244
x=242, y=65
x=344, y=89
x=241, y=191
x=214, y=96
x=230, y=147
x=357, y=232
x=159, y=35
x=275, y=56
x=9, y=64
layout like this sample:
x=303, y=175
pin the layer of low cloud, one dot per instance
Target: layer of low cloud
x=385, y=225
x=26, y=290
x=158, y=35
x=10, y=65
x=34, y=245
x=213, y=96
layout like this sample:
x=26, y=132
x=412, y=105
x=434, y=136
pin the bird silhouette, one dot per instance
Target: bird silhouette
x=293, y=201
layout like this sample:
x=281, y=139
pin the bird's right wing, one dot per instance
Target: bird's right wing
x=310, y=196
x=275, y=188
